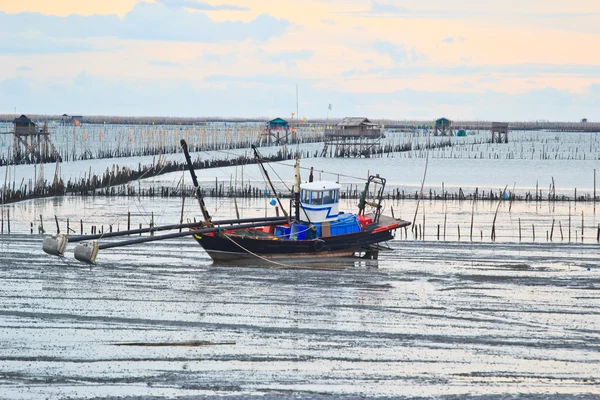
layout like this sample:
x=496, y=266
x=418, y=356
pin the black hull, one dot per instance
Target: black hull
x=232, y=248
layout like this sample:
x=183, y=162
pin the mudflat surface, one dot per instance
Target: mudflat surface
x=428, y=320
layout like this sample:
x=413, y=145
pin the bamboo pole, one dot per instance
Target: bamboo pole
x=569, y=222
x=493, y=234
x=445, y=216
x=582, y=225
x=561, y=232
x=472, y=217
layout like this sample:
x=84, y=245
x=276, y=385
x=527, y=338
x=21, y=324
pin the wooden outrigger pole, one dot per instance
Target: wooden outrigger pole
x=80, y=238
x=88, y=251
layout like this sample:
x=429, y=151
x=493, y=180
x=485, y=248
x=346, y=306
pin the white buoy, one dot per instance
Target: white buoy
x=86, y=252
x=55, y=245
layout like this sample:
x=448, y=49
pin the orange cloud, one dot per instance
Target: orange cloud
x=66, y=7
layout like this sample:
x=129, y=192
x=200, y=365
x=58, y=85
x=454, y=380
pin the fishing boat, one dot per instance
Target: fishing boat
x=317, y=230
x=321, y=231
x=313, y=229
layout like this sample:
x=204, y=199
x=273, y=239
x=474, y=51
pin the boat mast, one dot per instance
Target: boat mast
x=259, y=161
x=205, y=213
x=297, y=189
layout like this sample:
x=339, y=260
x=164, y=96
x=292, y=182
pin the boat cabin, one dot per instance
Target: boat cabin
x=319, y=201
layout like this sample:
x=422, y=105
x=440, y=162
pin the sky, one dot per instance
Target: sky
x=403, y=60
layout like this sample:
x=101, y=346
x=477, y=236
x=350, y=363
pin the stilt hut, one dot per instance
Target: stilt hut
x=29, y=141
x=277, y=131
x=353, y=137
x=499, y=132
x=443, y=127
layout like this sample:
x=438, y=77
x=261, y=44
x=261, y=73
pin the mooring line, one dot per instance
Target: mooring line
x=278, y=263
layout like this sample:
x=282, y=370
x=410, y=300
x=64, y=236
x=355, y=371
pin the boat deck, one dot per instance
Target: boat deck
x=385, y=220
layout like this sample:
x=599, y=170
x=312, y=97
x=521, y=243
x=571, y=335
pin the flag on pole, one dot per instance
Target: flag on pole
x=329, y=107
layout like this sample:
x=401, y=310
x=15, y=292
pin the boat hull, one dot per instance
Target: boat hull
x=228, y=248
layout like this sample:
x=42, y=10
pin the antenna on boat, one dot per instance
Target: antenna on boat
x=205, y=213
x=264, y=170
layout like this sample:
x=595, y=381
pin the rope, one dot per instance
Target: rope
x=278, y=263
x=361, y=178
x=305, y=168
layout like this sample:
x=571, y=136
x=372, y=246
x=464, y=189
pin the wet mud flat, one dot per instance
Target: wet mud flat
x=428, y=320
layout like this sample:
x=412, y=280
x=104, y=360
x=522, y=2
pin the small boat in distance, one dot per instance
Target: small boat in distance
x=318, y=229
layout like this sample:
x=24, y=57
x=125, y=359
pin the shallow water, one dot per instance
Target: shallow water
x=560, y=160
x=428, y=320
x=539, y=222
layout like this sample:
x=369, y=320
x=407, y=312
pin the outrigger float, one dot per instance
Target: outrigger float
x=317, y=231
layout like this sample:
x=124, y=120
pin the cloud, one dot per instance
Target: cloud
x=219, y=58
x=72, y=26
x=398, y=53
x=328, y=21
x=196, y=5
x=382, y=8
x=160, y=63
x=586, y=22
x=486, y=72
x=272, y=95
x=450, y=40
x=351, y=72
x=594, y=88
x=24, y=68
x=287, y=57
x=269, y=80
x=465, y=85
x=36, y=43
x=145, y=21
x=564, y=15
x=177, y=24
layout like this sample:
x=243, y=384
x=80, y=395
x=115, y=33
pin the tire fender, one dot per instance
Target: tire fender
x=319, y=245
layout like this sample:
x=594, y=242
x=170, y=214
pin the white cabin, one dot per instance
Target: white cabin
x=319, y=201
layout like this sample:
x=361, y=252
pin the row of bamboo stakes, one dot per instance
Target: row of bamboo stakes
x=417, y=230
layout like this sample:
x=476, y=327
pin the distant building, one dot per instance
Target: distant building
x=278, y=131
x=499, y=132
x=355, y=127
x=71, y=119
x=584, y=120
x=23, y=126
x=443, y=127
x=28, y=141
x=353, y=137
x=278, y=123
